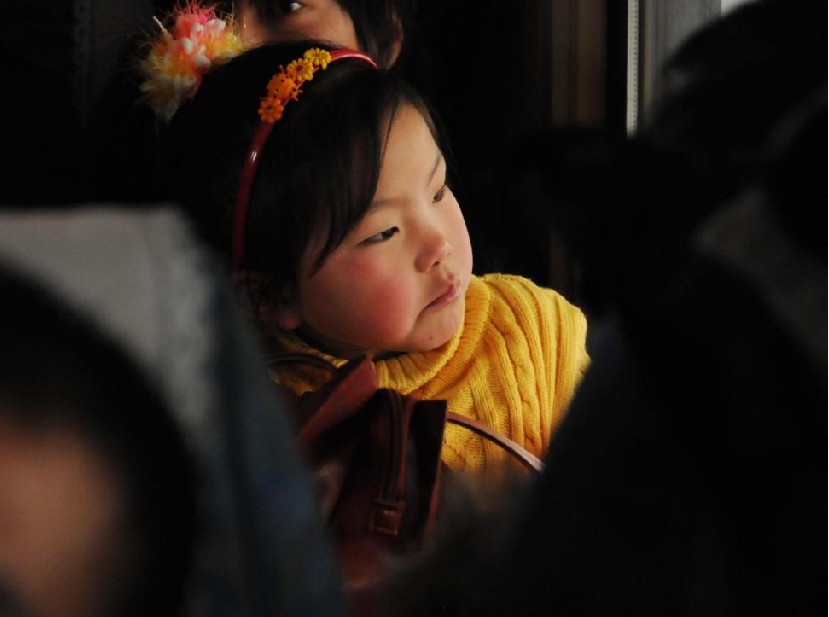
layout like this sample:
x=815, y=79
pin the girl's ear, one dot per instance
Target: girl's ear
x=271, y=310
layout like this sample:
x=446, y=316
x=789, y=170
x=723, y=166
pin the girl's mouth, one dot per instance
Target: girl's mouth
x=450, y=294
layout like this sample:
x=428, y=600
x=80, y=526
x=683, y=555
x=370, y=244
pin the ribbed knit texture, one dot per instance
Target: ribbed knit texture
x=513, y=365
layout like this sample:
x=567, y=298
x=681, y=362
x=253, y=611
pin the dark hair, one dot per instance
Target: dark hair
x=318, y=170
x=59, y=372
x=377, y=23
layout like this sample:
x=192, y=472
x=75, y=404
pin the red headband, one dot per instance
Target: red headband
x=260, y=138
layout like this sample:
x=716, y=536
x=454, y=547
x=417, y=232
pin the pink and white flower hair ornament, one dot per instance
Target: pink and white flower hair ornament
x=198, y=40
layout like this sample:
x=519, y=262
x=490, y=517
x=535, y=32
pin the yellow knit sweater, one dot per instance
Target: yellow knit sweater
x=513, y=365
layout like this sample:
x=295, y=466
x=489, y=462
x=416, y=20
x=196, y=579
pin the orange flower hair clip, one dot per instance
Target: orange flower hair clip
x=198, y=40
x=286, y=84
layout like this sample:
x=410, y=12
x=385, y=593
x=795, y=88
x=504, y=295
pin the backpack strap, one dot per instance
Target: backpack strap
x=527, y=458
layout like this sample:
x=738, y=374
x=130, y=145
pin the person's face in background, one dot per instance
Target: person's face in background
x=60, y=531
x=310, y=19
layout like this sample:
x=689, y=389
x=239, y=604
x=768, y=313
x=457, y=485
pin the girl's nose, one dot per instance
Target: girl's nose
x=434, y=250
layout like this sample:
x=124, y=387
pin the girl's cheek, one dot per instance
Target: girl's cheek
x=392, y=312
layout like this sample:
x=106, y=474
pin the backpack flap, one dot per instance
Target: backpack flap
x=389, y=498
x=375, y=454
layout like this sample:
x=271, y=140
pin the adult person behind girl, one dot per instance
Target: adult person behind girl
x=377, y=27
x=347, y=241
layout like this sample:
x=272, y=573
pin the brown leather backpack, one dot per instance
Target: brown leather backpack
x=376, y=456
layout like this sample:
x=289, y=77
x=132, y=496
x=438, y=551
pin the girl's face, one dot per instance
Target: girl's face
x=397, y=282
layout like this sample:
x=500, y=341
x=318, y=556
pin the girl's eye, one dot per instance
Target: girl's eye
x=381, y=237
x=288, y=7
x=440, y=194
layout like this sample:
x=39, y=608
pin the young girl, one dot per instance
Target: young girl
x=329, y=197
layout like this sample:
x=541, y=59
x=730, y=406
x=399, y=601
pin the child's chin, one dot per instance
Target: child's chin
x=439, y=339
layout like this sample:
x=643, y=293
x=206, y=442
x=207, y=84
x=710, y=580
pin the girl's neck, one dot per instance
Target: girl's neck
x=311, y=338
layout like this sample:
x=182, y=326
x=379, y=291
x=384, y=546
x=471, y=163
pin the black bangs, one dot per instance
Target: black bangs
x=367, y=111
x=363, y=115
x=320, y=168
